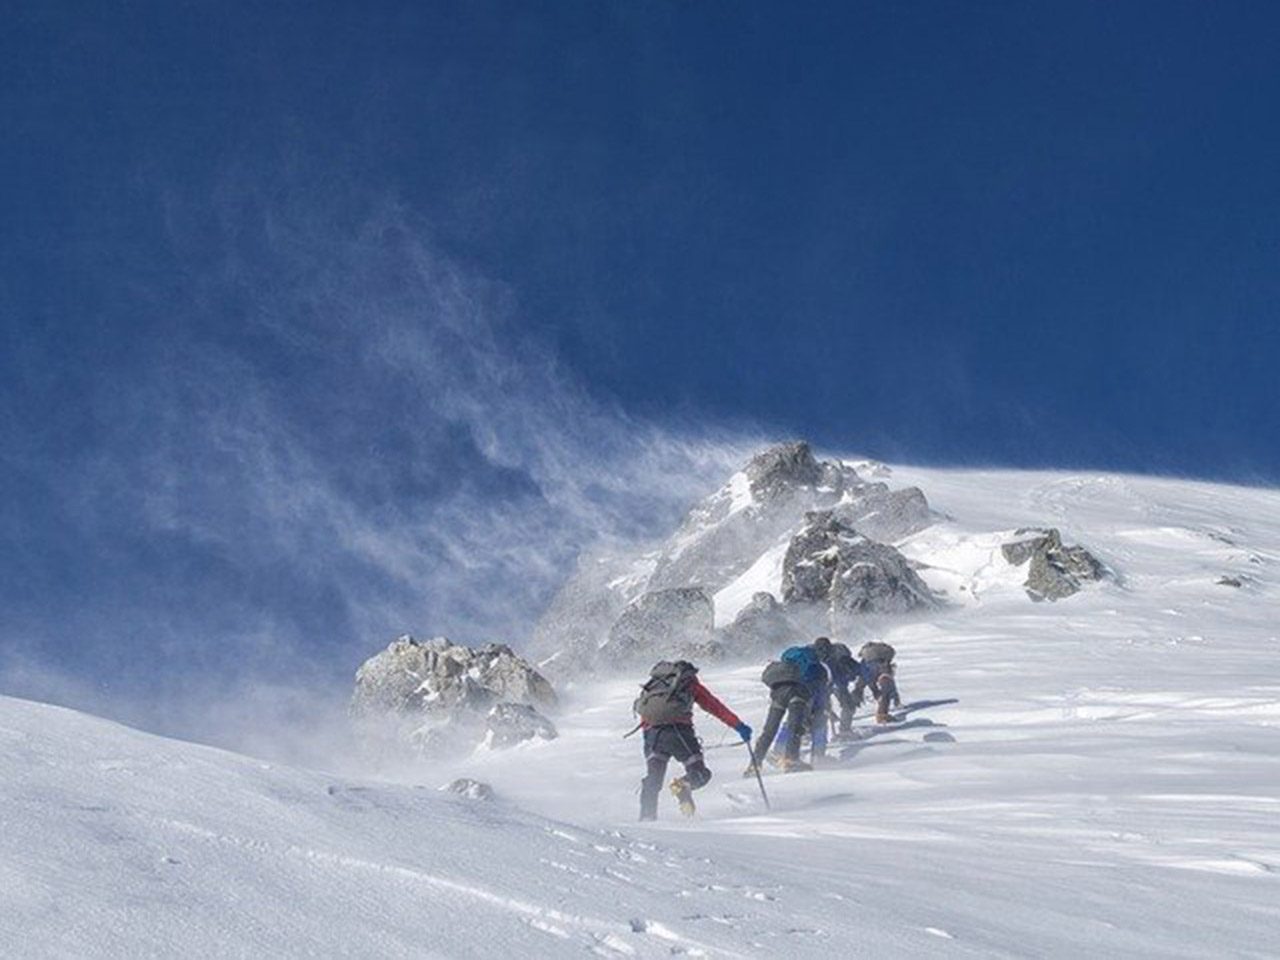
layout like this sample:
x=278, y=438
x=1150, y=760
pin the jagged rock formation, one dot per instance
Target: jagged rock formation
x=510, y=723
x=782, y=470
x=830, y=563
x=662, y=624
x=434, y=697
x=723, y=535
x=1056, y=571
x=594, y=621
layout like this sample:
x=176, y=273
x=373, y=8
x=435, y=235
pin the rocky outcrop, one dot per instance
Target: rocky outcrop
x=1055, y=571
x=885, y=515
x=783, y=469
x=660, y=625
x=600, y=617
x=722, y=536
x=433, y=697
x=830, y=563
x=510, y=723
x=762, y=625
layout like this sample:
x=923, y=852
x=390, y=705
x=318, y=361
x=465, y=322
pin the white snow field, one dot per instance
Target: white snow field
x=1098, y=777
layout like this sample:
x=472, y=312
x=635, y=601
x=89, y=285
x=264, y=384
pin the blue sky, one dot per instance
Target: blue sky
x=305, y=307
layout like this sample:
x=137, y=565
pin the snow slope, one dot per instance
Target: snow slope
x=1099, y=776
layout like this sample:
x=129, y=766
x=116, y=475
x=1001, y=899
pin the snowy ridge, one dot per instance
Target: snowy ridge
x=763, y=576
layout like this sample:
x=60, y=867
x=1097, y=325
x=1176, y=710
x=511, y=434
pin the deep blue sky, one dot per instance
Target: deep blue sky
x=1020, y=233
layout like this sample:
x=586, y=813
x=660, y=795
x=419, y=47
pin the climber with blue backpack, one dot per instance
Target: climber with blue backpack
x=797, y=683
x=665, y=709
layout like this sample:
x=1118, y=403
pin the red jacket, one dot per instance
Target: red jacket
x=708, y=702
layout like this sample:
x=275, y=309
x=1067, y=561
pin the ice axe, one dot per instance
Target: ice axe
x=755, y=765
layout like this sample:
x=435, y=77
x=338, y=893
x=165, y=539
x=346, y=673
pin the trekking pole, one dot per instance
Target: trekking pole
x=755, y=765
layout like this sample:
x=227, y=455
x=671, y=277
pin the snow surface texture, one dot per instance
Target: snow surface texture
x=1094, y=777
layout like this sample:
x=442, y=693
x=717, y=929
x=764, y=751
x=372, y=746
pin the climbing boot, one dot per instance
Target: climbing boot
x=683, y=793
x=792, y=765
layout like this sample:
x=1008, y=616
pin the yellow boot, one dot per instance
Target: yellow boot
x=683, y=793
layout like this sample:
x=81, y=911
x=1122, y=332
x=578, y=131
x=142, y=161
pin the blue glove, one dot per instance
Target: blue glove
x=744, y=732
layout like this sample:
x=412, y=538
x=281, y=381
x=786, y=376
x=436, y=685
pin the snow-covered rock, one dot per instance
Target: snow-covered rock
x=469, y=788
x=723, y=536
x=885, y=515
x=830, y=564
x=729, y=546
x=1056, y=570
x=434, y=696
x=762, y=626
x=510, y=723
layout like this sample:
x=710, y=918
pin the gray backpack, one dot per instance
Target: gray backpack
x=667, y=696
x=876, y=651
x=781, y=671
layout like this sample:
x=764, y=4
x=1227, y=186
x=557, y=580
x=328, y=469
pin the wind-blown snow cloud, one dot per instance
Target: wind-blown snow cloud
x=328, y=433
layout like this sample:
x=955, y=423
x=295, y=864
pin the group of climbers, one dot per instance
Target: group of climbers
x=801, y=683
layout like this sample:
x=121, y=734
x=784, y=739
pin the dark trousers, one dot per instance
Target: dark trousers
x=662, y=744
x=790, y=700
x=848, y=705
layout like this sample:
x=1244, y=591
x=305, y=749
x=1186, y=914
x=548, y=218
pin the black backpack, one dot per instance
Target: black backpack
x=667, y=696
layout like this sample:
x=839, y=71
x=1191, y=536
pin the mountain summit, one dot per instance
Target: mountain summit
x=732, y=546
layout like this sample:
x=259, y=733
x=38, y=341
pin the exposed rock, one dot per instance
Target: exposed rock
x=830, y=563
x=1056, y=571
x=433, y=697
x=1020, y=551
x=661, y=625
x=1230, y=582
x=779, y=470
x=722, y=536
x=886, y=515
x=471, y=789
x=720, y=539
x=439, y=676
x=512, y=723
x=762, y=625
x=871, y=468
